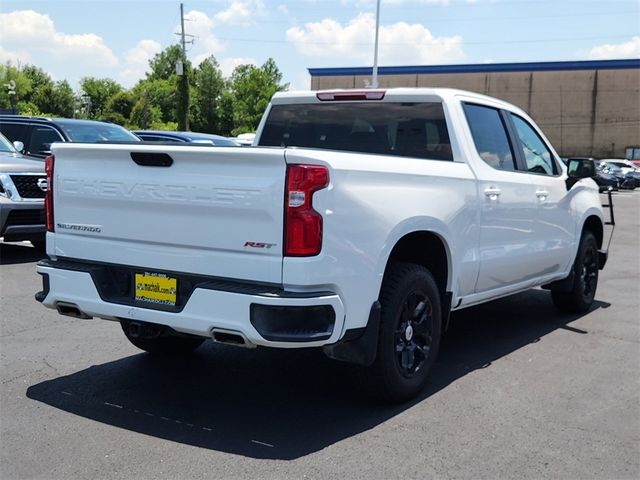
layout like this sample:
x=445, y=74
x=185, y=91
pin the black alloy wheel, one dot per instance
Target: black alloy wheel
x=409, y=335
x=585, y=278
x=414, y=333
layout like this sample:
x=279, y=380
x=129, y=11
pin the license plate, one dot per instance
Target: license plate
x=156, y=288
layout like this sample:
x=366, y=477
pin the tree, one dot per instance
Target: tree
x=97, y=92
x=163, y=68
x=252, y=88
x=163, y=64
x=10, y=75
x=208, y=86
x=38, y=77
x=122, y=104
x=160, y=94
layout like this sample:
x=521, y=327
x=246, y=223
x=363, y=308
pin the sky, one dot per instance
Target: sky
x=71, y=39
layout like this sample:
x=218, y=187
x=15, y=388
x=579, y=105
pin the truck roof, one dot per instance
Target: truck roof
x=401, y=94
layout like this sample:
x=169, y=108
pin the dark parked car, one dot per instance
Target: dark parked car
x=33, y=136
x=627, y=181
x=22, y=185
x=185, y=137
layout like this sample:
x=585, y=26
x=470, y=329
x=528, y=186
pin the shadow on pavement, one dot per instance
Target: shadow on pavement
x=275, y=404
x=14, y=253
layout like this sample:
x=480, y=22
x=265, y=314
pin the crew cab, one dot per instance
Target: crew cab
x=357, y=223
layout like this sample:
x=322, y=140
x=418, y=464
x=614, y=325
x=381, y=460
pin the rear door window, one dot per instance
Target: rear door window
x=41, y=139
x=405, y=129
x=15, y=132
x=490, y=136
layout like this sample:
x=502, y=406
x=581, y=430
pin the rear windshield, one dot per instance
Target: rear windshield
x=403, y=129
x=93, y=133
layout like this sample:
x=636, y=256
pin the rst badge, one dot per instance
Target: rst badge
x=259, y=245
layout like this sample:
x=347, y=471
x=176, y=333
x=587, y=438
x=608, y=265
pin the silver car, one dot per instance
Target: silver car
x=22, y=189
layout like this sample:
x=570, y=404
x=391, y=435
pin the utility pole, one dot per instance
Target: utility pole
x=374, y=77
x=183, y=83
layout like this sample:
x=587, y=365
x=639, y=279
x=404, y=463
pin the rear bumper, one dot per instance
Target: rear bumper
x=320, y=315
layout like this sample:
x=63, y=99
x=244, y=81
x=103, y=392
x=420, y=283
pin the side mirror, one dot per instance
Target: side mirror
x=578, y=168
x=19, y=146
x=581, y=168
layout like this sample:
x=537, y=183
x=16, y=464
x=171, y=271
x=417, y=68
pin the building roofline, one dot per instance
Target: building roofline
x=481, y=68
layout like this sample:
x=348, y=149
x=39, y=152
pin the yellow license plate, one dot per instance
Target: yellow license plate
x=156, y=288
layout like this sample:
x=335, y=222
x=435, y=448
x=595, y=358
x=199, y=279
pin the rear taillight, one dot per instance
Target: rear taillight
x=302, y=224
x=48, y=196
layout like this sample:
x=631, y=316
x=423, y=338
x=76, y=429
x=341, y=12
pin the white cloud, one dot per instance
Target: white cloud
x=630, y=49
x=136, y=61
x=241, y=12
x=400, y=43
x=27, y=34
x=227, y=65
x=205, y=42
x=14, y=56
x=283, y=9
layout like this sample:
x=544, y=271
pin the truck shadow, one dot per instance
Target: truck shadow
x=14, y=253
x=275, y=404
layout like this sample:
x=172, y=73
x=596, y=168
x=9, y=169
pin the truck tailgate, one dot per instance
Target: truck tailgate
x=215, y=211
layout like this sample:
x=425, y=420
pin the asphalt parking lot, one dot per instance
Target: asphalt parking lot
x=519, y=391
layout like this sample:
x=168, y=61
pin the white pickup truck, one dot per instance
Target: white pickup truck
x=357, y=222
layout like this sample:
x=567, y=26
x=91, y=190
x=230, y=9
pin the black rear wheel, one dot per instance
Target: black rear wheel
x=409, y=337
x=585, y=281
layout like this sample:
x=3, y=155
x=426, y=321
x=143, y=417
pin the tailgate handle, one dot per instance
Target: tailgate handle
x=149, y=159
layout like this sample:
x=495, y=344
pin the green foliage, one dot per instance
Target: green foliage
x=122, y=104
x=144, y=114
x=252, y=87
x=163, y=64
x=10, y=73
x=216, y=105
x=208, y=87
x=160, y=93
x=28, y=108
x=96, y=93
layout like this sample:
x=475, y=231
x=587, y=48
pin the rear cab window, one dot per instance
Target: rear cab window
x=417, y=130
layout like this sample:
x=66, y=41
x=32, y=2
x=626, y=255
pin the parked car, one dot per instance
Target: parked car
x=625, y=165
x=33, y=136
x=186, y=137
x=22, y=191
x=627, y=181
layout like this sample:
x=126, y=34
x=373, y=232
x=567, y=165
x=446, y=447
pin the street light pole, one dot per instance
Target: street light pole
x=374, y=77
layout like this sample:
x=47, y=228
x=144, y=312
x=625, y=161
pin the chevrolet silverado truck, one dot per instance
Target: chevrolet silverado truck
x=357, y=222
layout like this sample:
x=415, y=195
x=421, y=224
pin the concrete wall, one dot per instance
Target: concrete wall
x=582, y=112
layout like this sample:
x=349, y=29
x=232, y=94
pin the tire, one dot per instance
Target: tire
x=585, y=282
x=164, y=345
x=409, y=337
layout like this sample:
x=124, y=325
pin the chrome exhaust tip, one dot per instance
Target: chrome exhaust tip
x=231, y=337
x=71, y=310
